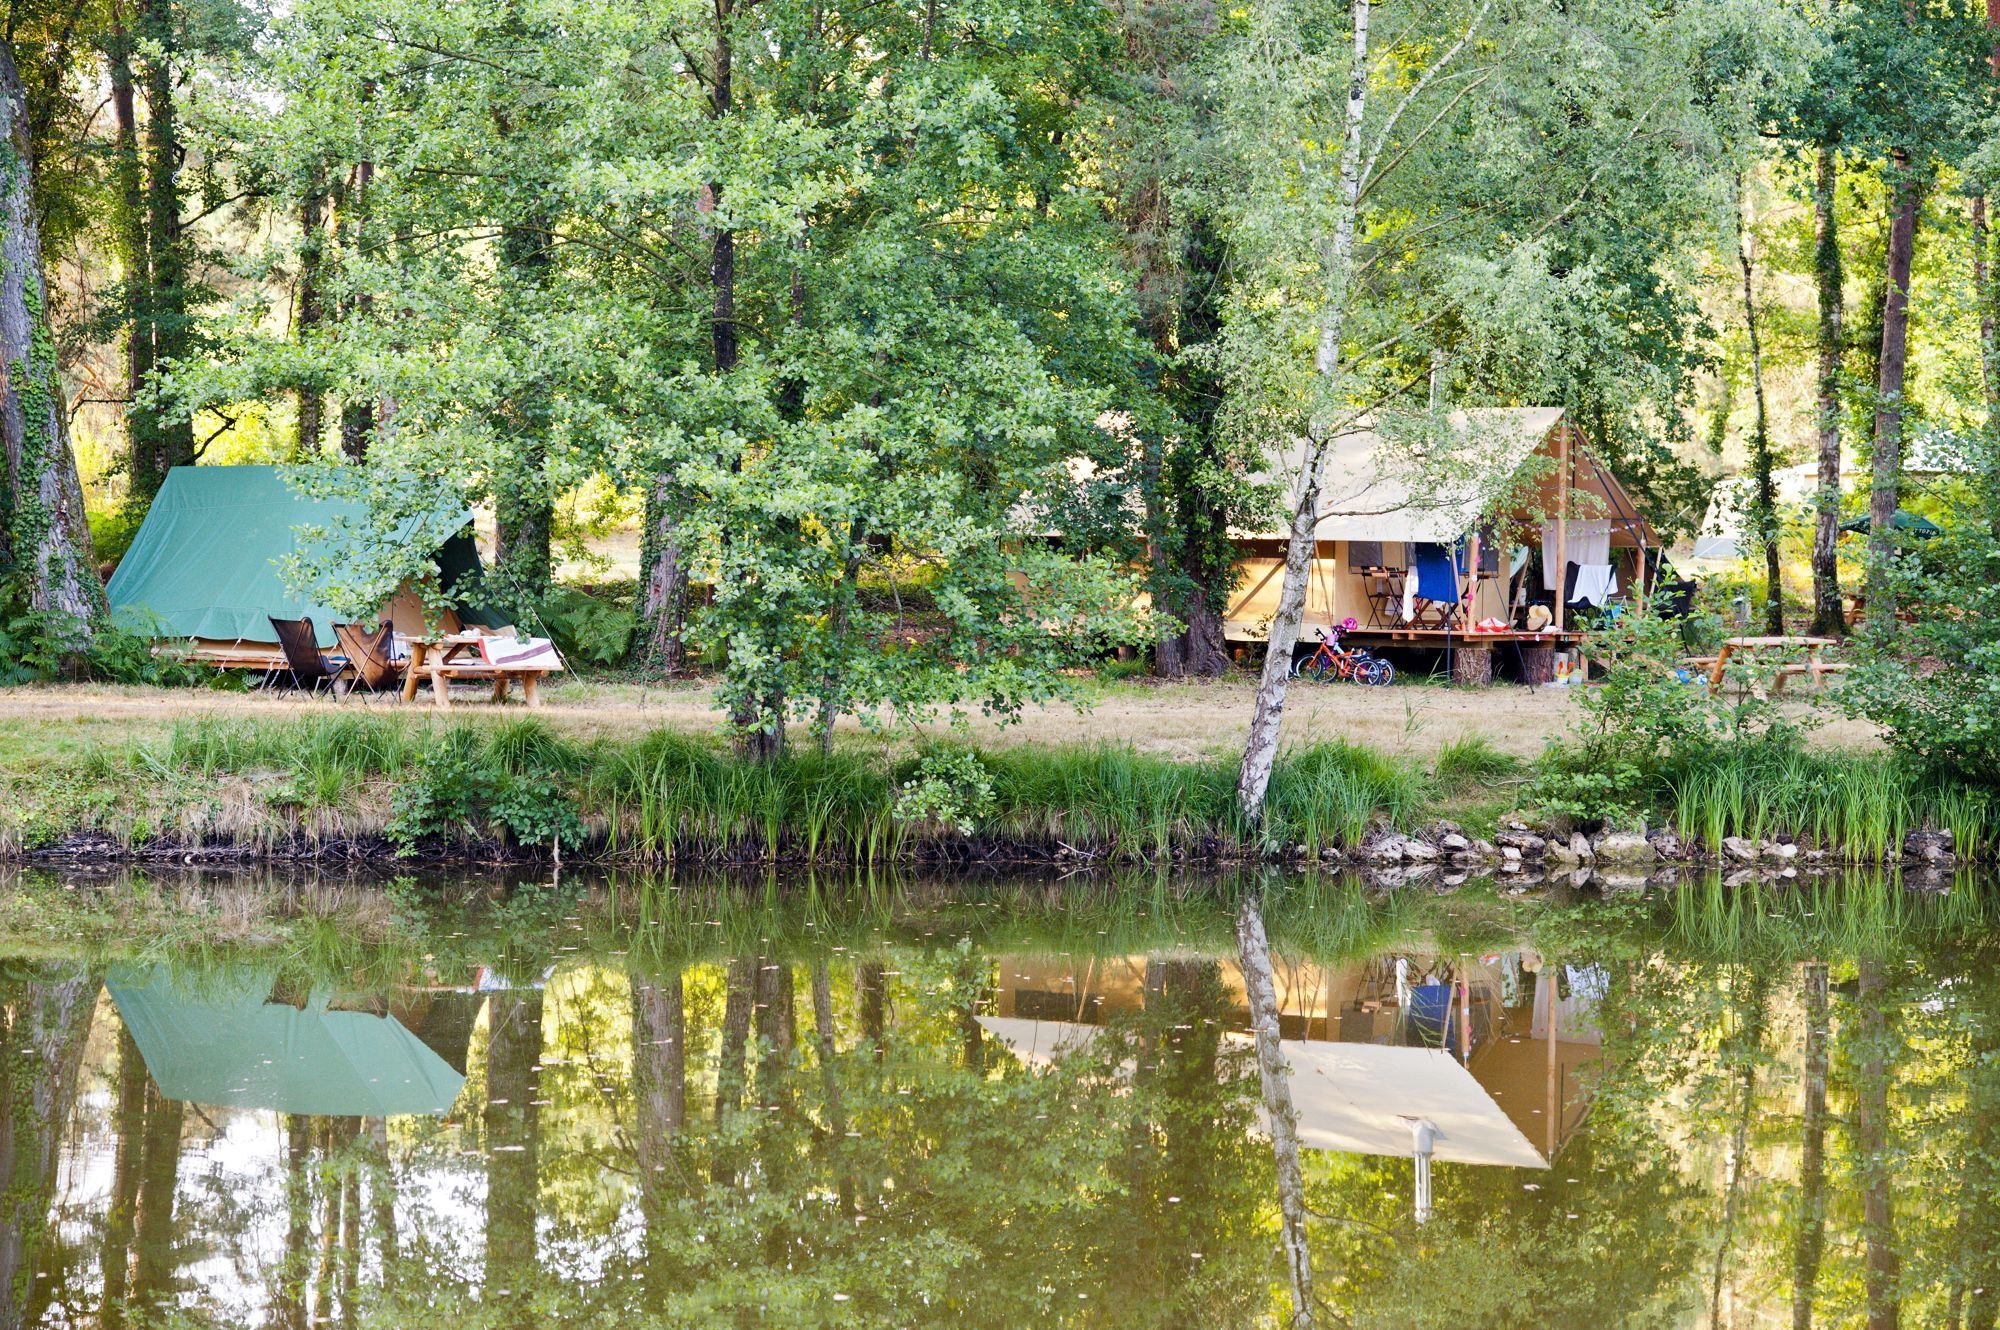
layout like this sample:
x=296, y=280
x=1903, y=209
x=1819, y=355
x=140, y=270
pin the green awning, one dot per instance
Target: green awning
x=206, y=561
x=220, y=1042
x=1905, y=520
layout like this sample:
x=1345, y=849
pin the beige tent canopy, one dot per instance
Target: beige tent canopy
x=1384, y=489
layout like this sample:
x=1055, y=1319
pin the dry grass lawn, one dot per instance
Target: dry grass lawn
x=1178, y=720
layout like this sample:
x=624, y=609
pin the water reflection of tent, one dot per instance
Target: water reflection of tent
x=227, y=1045
x=1357, y=1098
x=1517, y=1032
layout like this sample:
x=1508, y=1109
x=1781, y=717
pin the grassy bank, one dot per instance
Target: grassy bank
x=351, y=784
x=376, y=783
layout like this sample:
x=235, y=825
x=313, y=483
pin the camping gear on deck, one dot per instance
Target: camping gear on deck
x=1435, y=585
x=1592, y=584
x=304, y=664
x=208, y=563
x=1589, y=543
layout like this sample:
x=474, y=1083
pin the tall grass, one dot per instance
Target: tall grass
x=671, y=795
x=1860, y=805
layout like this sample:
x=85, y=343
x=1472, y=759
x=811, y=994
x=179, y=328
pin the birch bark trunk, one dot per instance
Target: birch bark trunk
x=1273, y=1075
x=1260, y=750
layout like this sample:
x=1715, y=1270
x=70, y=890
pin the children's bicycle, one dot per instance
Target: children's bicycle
x=1335, y=663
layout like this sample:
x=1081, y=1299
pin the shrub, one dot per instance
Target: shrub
x=586, y=628
x=949, y=788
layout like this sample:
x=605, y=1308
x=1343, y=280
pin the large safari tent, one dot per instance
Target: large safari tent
x=1520, y=478
x=206, y=569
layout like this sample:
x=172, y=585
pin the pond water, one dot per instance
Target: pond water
x=1000, y=1104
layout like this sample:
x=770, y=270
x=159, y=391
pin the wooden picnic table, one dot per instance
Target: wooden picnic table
x=441, y=659
x=1814, y=647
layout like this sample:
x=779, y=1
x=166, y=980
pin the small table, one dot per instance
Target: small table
x=440, y=659
x=1814, y=647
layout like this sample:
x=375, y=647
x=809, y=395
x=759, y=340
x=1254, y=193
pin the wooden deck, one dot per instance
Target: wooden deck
x=1439, y=638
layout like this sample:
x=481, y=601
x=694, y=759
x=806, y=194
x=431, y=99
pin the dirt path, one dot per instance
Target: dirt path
x=1179, y=720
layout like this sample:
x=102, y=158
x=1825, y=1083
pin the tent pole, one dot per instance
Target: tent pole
x=1563, y=482
x=1555, y=1067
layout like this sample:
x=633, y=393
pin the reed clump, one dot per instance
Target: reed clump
x=1861, y=806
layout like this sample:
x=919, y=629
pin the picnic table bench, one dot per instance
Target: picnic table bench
x=442, y=660
x=1815, y=666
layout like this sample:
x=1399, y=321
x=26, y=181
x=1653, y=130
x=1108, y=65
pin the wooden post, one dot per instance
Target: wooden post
x=1564, y=463
x=1555, y=1065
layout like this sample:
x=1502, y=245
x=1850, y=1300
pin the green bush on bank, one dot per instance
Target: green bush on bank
x=1654, y=745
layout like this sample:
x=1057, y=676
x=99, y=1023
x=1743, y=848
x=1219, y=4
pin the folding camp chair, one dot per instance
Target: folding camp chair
x=304, y=664
x=1439, y=602
x=368, y=656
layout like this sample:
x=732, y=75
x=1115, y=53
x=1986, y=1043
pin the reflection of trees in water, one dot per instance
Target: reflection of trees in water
x=708, y=1152
x=47, y=1012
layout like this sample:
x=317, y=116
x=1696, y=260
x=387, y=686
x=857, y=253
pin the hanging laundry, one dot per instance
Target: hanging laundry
x=1589, y=543
x=1595, y=584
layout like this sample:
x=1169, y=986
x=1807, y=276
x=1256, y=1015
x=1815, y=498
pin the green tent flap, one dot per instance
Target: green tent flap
x=206, y=561
x=1904, y=520
x=223, y=1044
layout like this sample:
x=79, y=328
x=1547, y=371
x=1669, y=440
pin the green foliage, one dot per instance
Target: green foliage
x=587, y=629
x=511, y=777
x=949, y=788
x=1936, y=688
x=1649, y=716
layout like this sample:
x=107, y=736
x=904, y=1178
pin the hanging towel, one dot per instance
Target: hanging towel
x=1589, y=543
x=1409, y=598
x=1596, y=584
x=1437, y=573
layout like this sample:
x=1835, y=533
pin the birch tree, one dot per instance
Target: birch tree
x=1436, y=205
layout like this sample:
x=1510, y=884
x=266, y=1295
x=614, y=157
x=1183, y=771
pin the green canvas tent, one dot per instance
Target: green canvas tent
x=1905, y=521
x=205, y=564
x=222, y=1043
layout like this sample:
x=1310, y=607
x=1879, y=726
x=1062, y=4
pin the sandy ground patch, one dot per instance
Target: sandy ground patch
x=1179, y=720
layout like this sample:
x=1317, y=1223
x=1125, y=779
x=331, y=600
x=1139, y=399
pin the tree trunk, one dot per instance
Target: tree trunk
x=130, y=232
x=44, y=535
x=663, y=609
x=121, y=1211
x=1765, y=510
x=659, y=1093
x=1828, y=619
x=513, y=1139
x=47, y=1023
x=829, y=1075
x=311, y=312
x=1260, y=750
x=1888, y=466
x=1810, y=1243
x=357, y=413
x=871, y=982
x=159, y=1180
x=776, y=1027
x=523, y=507
x=1882, y=1267
x=161, y=440
x=1749, y=1039
x=383, y=1201
x=1254, y=950
x=288, y=1299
